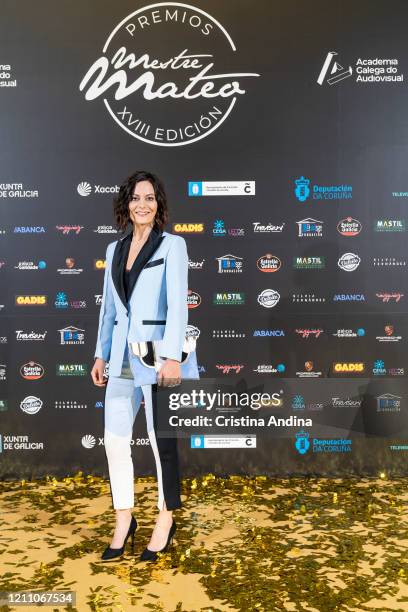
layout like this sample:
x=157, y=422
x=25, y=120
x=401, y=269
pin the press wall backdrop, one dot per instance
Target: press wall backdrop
x=280, y=131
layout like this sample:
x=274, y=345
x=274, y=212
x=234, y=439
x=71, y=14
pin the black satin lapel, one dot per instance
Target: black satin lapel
x=120, y=256
x=148, y=250
x=119, y=263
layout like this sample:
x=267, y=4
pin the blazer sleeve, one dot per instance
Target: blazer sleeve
x=107, y=315
x=177, y=309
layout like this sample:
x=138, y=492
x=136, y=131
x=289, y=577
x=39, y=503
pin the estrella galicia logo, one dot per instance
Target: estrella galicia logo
x=302, y=443
x=302, y=191
x=153, y=65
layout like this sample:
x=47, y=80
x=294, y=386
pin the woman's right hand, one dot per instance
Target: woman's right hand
x=97, y=372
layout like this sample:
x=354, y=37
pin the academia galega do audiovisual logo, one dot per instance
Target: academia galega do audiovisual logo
x=169, y=74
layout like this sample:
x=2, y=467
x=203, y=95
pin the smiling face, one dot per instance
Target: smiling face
x=143, y=205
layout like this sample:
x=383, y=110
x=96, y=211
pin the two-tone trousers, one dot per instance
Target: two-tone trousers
x=122, y=402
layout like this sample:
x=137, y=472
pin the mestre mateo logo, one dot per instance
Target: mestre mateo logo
x=161, y=74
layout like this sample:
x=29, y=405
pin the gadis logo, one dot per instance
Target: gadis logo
x=161, y=74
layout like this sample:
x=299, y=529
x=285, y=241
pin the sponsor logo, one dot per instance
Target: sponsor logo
x=32, y=371
x=349, y=262
x=105, y=229
x=196, y=265
x=70, y=267
x=72, y=335
x=269, y=333
x=379, y=369
x=349, y=227
x=188, y=228
x=332, y=72
x=307, y=298
x=367, y=70
x=18, y=442
x=390, y=297
x=218, y=188
x=388, y=262
x=88, y=441
x=68, y=229
x=310, y=227
x=30, y=300
x=16, y=191
x=228, y=298
x=227, y=333
x=192, y=331
x=350, y=333
x=29, y=229
x=390, y=225
x=388, y=335
x=346, y=368
x=229, y=264
x=349, y=297
x=31, y=404
x=338, y=402
x=321, y=192
x=319, y=445
x=30, y=265
x=71, y=369
x=61, y=302
x=22, y=336
x=85, y=189
x=268, y=298
x=224, y=441
x=270, y=369
x=309, y=371
x=307, y=333
x=270, y=228
x=69, y=405
x=193, y=299
x=227, y=368
x=387, y=402
x=268, y=263
x=220, y=231
x=309, y=263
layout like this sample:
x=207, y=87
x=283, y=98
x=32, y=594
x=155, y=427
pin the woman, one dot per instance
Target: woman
x=142, y=333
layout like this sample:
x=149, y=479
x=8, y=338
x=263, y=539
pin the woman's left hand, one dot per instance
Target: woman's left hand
x=169, y=374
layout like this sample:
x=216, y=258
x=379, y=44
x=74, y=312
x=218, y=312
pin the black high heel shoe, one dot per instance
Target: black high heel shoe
x=114, y=553
x=151, y=555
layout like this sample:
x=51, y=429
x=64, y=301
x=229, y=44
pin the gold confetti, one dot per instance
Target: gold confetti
x=251, y=543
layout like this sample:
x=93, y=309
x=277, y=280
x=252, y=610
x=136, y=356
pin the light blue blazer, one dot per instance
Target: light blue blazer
x=157, y=308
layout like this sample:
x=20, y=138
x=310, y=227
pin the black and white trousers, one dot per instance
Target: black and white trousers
x=122, y=402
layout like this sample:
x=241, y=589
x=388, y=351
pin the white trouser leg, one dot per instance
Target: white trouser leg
x=122, y=402
x=147, y=393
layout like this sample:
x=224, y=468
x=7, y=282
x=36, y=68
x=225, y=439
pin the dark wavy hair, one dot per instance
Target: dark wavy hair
x=121, y=202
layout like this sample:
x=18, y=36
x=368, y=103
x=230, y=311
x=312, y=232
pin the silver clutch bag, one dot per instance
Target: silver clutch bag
x=151, y=358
